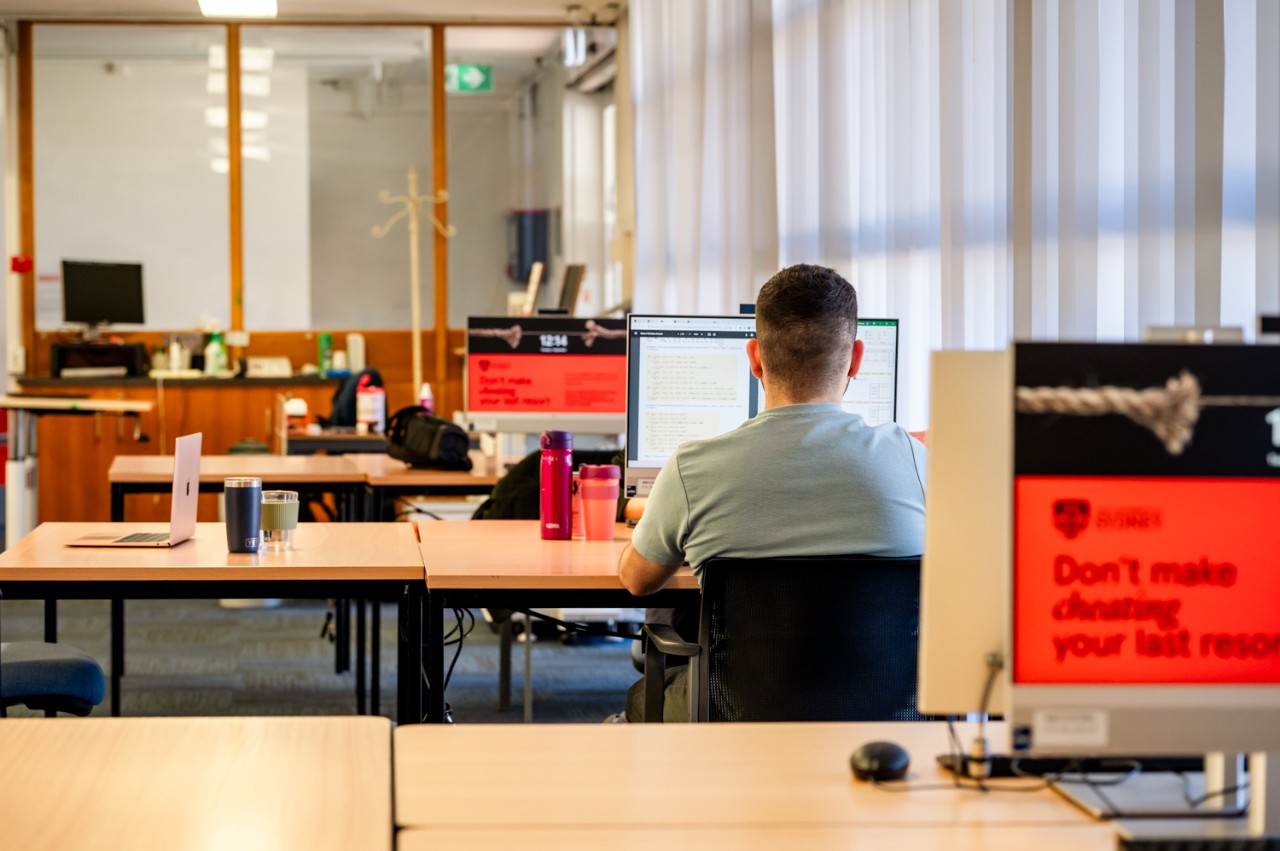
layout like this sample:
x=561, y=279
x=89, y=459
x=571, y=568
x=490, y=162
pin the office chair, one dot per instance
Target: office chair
x=797, y=639
x=50, y=677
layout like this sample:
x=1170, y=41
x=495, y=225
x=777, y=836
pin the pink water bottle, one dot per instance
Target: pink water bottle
x=556, y=477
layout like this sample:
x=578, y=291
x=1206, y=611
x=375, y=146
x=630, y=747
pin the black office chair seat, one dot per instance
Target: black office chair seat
x=49, y=677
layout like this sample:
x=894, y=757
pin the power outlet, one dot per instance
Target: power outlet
x=17, y=360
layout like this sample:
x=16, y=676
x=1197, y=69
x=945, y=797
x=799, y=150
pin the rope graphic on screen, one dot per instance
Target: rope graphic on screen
x=1170, y=412
x=512, y=336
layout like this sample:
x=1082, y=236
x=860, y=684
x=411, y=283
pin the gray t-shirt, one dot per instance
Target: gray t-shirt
x=797, y=480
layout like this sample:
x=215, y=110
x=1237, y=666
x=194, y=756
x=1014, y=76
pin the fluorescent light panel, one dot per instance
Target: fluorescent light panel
x=251, y=58
x=238, y=8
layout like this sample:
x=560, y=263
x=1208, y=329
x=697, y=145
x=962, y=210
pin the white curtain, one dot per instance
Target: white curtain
x=706, y=228
x=991, y=169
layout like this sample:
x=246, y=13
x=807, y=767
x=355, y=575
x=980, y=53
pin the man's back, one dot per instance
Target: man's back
x=797, y=480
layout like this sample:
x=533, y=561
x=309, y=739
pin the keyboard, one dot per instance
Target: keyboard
x=1200, y=843
x=1003, y=765
x=143, y=538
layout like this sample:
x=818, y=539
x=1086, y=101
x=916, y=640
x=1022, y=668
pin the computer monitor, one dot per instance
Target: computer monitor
x=571, y=286
x=1145, y=572
x=101, y=293
x=530, y=374
x=688, y=378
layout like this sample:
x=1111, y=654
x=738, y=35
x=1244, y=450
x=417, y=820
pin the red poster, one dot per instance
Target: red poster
x=560, y=383
x=1146, y=580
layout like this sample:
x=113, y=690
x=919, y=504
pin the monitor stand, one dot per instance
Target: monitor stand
x=1155, y=805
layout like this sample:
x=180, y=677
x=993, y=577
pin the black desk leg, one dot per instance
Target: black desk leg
x=435, y=657
x=117, y=504
x=117, y=654
x=375, y=659
x=360, y=657
x=51, y=621
x=409, y=696
x=342, y=636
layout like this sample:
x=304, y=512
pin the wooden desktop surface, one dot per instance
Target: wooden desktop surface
x=321, y=551
x=151, y=469
x=511, y=554
x=688, y=776
x=383, y=470
x=68, y=404
x=196, y=783
x=1084, y=837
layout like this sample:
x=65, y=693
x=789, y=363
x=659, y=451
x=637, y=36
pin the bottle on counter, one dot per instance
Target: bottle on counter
x=324, y=352
x=215, y=355
x=556, y=485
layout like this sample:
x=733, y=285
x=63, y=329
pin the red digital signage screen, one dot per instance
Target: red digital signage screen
x=1135, y=563
x=542, y=365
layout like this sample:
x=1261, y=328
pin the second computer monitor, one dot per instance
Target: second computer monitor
x=530, y=374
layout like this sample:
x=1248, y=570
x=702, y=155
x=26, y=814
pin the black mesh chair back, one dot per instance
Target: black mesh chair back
x=809, y=639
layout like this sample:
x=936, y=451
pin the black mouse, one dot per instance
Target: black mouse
x=880, y=761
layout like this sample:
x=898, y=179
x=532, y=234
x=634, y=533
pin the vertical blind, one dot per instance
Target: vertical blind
x=1129, y=151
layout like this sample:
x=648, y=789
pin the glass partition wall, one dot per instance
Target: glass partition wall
x=126, y=134
x=129, y=125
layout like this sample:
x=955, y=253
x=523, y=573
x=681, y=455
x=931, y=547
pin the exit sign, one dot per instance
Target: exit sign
x=468, y=79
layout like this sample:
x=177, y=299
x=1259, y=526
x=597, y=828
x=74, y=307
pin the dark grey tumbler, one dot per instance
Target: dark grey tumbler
x=244, y=513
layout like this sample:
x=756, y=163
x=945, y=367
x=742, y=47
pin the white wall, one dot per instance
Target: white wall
x=122, y=172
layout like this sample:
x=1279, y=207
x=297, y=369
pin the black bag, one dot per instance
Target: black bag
x=422, y=440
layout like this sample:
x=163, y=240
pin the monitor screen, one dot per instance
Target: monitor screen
x=1144, y=573
x=101, y=293
x=530, y=374
x=688, y=378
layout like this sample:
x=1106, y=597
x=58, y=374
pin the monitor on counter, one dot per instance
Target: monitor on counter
x=101, y=293
x=530, y=374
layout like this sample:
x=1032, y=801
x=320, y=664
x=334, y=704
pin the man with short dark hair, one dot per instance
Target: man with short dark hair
x=803, y=478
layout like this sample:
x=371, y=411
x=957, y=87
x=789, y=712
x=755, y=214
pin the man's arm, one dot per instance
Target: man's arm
x=641, y=576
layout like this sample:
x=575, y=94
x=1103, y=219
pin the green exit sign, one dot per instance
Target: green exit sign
x=468, y=79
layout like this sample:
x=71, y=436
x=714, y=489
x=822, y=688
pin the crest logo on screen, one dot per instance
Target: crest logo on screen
x=1071, y=516
x=484, y=364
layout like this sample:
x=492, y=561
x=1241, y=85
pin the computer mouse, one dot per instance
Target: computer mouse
x=880, y=761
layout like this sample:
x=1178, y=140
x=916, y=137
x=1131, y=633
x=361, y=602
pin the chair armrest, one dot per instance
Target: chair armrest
x=664, y=638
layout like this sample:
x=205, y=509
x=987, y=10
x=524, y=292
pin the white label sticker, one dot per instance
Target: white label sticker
x=1069, y=728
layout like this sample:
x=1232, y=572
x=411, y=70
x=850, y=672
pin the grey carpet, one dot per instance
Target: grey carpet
x=193, y=657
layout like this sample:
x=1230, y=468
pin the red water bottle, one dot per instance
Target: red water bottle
x=555, y=480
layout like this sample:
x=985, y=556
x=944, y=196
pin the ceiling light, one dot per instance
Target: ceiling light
x=256, y=85
x=250, y=119
x=238, y=8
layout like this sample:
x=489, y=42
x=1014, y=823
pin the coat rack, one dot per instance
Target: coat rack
x=413, y=202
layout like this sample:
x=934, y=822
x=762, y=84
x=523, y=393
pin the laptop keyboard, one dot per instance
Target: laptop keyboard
x=143, y=538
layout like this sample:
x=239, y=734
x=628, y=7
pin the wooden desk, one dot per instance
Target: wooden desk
x=154, y=474
x=196, y=783
x=355, y=560
x=740, y=777
x=389, y=479
x=505, y=563
x=336, y=441
x=1094, y=837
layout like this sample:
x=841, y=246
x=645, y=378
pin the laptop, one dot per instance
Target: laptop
x=182, y=515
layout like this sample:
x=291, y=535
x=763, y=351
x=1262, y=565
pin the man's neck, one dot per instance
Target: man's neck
x=775, y=398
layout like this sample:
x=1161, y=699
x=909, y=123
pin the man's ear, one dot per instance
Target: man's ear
x=855, y=362
x=753, y=356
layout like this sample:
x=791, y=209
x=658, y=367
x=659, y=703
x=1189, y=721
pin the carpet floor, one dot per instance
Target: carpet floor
x=195, y=657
